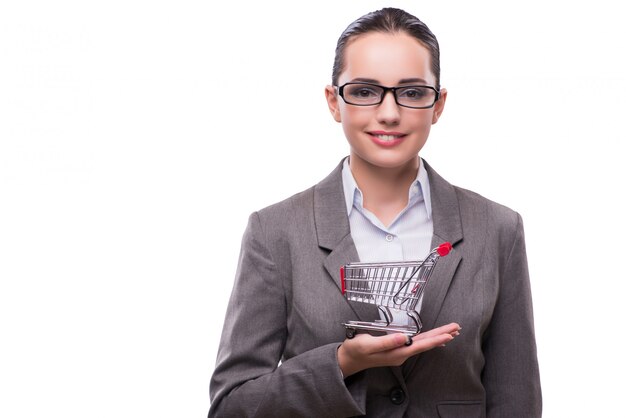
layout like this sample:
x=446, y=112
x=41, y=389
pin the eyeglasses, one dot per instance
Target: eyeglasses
x=368, y=94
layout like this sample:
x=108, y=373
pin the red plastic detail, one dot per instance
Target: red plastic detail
x=444, y=249
x=417, y=286
x=343, y=281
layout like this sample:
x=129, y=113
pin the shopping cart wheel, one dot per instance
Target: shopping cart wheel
x=409, y=341
x=350, y=333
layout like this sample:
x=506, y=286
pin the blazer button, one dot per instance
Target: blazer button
x=397, y=396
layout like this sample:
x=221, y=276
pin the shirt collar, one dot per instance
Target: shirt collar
x=349, y=185
x=354, y=196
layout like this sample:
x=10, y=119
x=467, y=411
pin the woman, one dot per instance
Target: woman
x=283, y=351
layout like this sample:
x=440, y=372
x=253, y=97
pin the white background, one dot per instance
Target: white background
x=136, y=137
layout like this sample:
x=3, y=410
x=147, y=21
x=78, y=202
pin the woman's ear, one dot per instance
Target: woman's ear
x=441, y=103
x=333, y=103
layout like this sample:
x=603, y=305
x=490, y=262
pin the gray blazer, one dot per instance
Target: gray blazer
x=287, y=308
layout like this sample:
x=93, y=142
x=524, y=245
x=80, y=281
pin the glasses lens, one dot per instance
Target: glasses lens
x=415, y=96
x=362, y=94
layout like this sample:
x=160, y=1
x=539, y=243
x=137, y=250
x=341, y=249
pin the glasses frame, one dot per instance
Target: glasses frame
x=385, y=90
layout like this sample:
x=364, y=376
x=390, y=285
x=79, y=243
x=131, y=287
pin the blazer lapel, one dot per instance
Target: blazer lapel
x=447, y=227
x=333, y=234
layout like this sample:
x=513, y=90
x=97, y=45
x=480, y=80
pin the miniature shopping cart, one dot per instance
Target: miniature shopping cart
x=397, y=285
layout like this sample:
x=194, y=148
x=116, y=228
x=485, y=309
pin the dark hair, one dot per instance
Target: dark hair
x=388, y=20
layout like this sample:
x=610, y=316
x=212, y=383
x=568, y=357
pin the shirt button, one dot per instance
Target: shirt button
x=397, y=396
x=389, y=237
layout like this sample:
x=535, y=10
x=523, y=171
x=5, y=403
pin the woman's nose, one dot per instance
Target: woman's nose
x=388, y=111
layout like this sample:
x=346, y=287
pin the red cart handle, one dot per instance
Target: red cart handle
x=444, y=249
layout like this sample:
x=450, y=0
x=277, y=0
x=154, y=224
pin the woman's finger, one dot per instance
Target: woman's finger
x=444, y=329
x=371, y=344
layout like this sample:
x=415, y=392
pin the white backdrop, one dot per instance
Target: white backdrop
x=136, y=137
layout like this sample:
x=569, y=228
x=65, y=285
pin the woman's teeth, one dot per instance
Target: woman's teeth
x=387, y=137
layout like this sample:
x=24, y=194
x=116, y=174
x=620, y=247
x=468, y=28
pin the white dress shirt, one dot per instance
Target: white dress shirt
x=408, y=236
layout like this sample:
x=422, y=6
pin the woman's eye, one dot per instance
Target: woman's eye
x=414, y=93
x=363, y=93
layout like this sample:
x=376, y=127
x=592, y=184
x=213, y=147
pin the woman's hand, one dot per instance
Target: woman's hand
x=365, y=351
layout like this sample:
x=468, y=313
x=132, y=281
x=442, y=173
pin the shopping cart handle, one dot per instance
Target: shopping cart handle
x=444, y=249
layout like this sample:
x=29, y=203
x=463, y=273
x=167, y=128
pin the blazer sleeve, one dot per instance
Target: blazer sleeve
x=248, y=380
x=511, y=371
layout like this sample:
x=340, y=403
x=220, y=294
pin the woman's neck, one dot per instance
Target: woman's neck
x=385, y=190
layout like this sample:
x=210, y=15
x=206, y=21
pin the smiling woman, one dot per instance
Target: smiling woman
x=393, y=59
x=283, y=350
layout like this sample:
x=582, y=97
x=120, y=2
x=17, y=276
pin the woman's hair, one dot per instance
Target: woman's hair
x=388, y=20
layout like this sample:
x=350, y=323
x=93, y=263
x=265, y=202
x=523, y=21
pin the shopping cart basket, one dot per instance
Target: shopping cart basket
x=397, y=285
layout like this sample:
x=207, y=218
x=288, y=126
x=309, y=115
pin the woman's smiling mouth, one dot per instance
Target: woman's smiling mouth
x=386, y=139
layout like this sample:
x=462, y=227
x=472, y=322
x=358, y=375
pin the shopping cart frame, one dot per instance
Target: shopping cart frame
x=398, y=285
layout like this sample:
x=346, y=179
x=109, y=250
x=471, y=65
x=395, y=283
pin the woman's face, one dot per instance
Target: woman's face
x=385, y=135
